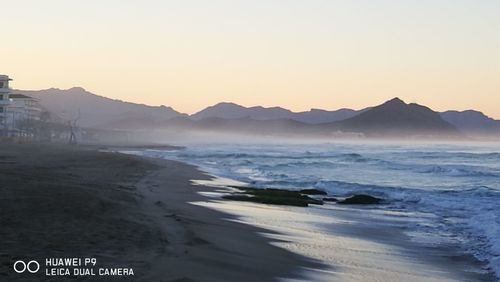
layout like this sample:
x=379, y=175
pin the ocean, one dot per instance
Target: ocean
x=450, y=191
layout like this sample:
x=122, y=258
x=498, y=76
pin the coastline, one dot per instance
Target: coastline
x=149, y=214
x=129, y=211
x=356, y=247
x=427, y=191
x=354, y=243
x=209, y=245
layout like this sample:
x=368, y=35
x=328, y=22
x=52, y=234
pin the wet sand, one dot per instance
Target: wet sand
x=126, y=211
x=355, y=243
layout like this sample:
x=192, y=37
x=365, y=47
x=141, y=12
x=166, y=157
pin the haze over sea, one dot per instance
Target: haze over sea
x=450, y=193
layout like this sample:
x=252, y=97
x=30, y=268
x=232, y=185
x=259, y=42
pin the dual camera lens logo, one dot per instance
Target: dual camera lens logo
x=32, y=266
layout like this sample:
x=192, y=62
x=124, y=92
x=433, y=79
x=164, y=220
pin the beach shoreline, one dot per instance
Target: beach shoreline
x=157, y=217
x=442, y=197
x=219, y=247
x=126, y=211
x=352, y=243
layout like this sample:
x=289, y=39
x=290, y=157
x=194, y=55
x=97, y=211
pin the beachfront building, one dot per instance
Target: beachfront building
x=5, y=102
x=18, y=112
x=23, y=108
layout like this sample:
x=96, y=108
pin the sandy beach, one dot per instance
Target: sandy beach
x=149, y=215
x=126, y=211
x=355, y=246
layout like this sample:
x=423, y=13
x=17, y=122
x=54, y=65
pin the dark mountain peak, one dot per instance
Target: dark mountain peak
x=78, y=89
x=222, y=106
x=395, y=117
x=395, y=102
x=226, y=104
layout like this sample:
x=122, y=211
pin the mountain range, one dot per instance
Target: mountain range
x=96, y=111
x=232, y=111
x=390, y=118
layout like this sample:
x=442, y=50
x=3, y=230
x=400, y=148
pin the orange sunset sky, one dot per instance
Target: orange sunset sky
x=304, y=54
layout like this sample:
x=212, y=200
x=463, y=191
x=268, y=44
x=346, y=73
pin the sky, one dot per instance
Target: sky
x=298, y=54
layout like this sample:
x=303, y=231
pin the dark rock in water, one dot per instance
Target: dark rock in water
x=330, y=200
x=361, y=200
x=268, y=200
x=312, y=192
x=273, y=197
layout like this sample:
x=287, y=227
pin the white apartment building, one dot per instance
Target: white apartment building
x=5, y=102
x=17, y=111
x=24, y=108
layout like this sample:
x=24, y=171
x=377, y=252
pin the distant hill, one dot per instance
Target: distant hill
x=469, y=122
x=396, y=118
x=391, y=118
x=473, y=122
x=235, y=111
x=94, y=110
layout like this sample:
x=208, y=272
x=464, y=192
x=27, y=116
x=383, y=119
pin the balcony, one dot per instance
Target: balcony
x=5, y=102
x=33, y=108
